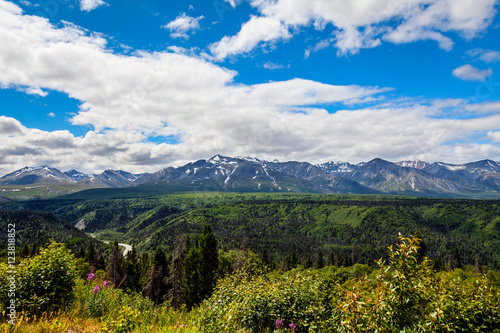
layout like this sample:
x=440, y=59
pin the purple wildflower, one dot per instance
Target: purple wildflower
x=293, y=327
x=91, y=277
x=106, y=284
x=96, y=289
x=279, y=323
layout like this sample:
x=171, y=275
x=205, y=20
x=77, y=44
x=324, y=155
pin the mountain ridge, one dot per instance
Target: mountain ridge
x=477, y=179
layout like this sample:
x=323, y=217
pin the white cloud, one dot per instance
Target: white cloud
x=494, y=136
x=252, y=33
x=51, y=114
x=271, y=65
x=484, y=107
x=126, y=99
x=233, y=3
x=489, y=56
x=361, y=24
x=89, y=5
x=471, y=73
x=182, y=25
x=35, y=91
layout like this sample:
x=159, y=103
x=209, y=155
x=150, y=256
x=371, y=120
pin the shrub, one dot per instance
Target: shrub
x=46, y=282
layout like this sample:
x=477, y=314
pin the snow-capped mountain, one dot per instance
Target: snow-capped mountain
x=31, y=175
x=222, y=173
x=76, y=175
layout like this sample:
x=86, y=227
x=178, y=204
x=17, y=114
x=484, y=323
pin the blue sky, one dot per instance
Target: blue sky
x=138, y=86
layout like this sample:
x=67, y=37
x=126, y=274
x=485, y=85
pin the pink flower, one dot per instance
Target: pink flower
x=106, y=284
x=96, y=289
x=91, y=277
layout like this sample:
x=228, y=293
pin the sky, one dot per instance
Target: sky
x=142, y=85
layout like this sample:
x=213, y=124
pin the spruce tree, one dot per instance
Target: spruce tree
x=265, y=258
x=320, y=261
x=176, y=279
x=292, y=260
x=101, y=263
x=307, y=261
x=156, y=287
x=133, y=272
x=117, y=267
x=437, y=264
x=192, y=280
x=80, y=253
x=478, y=267
x=209, y=262
x=25, y=251
x=90, y=254
x=331, y=259
x=422, y=250
x=455, y=261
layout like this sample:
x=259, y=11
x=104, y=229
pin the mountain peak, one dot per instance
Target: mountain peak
x=417, y=164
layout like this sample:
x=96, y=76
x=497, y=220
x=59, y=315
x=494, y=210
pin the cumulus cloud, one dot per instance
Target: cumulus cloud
x=89, y=5
x=183, y=25
x=51, y=114
x=471, y=73
x=489, y=56
x=252, y=33
x=359, y=24
x=126, y=99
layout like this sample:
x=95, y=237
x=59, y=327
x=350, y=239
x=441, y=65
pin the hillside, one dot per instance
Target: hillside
x=281, y=223
x=36, y=228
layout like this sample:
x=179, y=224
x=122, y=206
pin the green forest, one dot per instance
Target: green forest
x=219, y=262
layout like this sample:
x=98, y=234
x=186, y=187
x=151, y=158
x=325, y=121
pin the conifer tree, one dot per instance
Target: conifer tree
x=478, y=267
x=133, y=272
x=117, y=267
x=437, y=264
x=80, y=253
x=209, y=262
x=265, y=258
x=101, y=263
x=307, y=261
x=156, y=288
x=144, y=268
x=422, y=250
x=176, y=279
x=90, y=254
x=292, y=260
x=25, y=251
x=354, y=255
x=331, y=259
x=455, y=261
x=347, y=261
x=192, y=280
x=320, y=261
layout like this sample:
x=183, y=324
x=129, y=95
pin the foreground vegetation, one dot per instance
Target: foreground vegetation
x=403, y=294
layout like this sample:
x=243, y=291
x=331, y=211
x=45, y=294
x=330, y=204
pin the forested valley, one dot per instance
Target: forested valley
x=213, y=262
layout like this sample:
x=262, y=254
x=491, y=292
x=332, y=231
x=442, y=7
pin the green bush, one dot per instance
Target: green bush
x=45, y=283
x=255, y=303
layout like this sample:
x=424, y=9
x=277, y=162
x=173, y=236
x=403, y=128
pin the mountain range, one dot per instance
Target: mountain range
x=479, y=179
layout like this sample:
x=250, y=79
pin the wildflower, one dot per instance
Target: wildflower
x=90, y=277
x=293, y=327
x=96, y=289
x=106, y=284
x=279, y=323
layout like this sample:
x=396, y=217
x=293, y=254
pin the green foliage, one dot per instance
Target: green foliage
x=406, y=295
x=45, y=283
x=255, y=302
